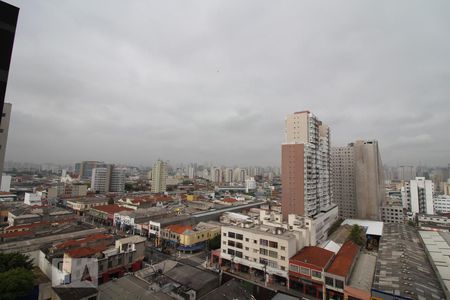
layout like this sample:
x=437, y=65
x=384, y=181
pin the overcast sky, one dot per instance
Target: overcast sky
x=212, y=81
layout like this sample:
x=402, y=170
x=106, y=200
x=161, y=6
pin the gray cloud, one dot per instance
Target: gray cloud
x=213, y=80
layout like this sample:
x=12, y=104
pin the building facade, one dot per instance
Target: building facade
x=305, y=165
x=108, y=178
x=418, y=196
x=4, y=129
x=159, y=177
x=358, y=180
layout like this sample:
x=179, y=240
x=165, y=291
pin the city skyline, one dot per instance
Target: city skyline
x=213, y=81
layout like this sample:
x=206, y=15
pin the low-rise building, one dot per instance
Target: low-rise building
x=442, y=204
x=402, y=269
x=113, y=258
x=337, y=275
x=105, y=213
x=191, y=238
x=82, y=205
x=33, y=199
x=306, y=270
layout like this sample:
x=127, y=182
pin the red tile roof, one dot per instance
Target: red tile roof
x=14, y=234
x=93, y=237
x=313, y=255
x=344, y=259
x=110, y=208
x=85, y=251
x=229, y=200
x=180, y=229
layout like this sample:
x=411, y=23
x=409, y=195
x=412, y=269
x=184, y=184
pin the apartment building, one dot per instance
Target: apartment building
x=159, y=177
x=262, y=248
x=108, y=178
x=417, y=196
x=305, y=164
x=441, y=204
x=190, y=238
x=66, y=190
x=358, y=180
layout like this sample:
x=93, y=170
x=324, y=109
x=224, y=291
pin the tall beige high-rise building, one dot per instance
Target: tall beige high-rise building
x=358, y=180
x=305, y=165
x=4, y=128
x=159, y=177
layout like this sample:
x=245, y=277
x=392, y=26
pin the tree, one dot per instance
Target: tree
x=214, y=243
x=16, y=275
x=16, y=283
x=355, y=235
x=14, y=260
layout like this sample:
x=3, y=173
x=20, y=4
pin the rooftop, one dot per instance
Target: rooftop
x=180, y=229
x=343, y=261
x=363, y=271
x=372, y=227
x=111, y=208
x=129, y=287
x=437, y=244
x=313, y=255
x=84, y=240
x=402, y=267
x=85, y=251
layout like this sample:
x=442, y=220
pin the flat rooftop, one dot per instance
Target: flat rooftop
x=129, y=287
x=372, y=227
x=402, y=268
x=437, y=244
x=363, y=272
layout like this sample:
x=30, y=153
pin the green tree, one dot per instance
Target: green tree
x=16, y=283
x=14, y=260
x=214, y=243
x=356, y=235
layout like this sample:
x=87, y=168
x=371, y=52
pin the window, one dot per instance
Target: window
x=224, y=234
x=263, y=251
x=255, y=241
x=246, y=248
x=283, y=248
x=231, y=243
x=283, y=258
x=239, y=245
x=316, y=274
x=130, y=259
x=231, y=251
x=339, y=284
x=232, y=235
x=273, y=244
x=263, y=242
x=246, y=239
x=263, y=261
x=293, y=268
x=239, y=236
x=100, y=267
x=273, y=254
x=109, y=263
x=283, y=268
x=120, y=260
x=304, y=271
x=224, y=242
x=329, y=281
x=238, y=254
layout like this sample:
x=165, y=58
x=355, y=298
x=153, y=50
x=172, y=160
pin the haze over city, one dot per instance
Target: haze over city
x=132, y=82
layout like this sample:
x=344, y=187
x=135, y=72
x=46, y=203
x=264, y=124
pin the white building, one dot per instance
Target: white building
x=33, y=199
x=418, y=196
x=442, y=204
x=216, y=174
x=108, y=179
x=250, y=184
x=6, y=183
